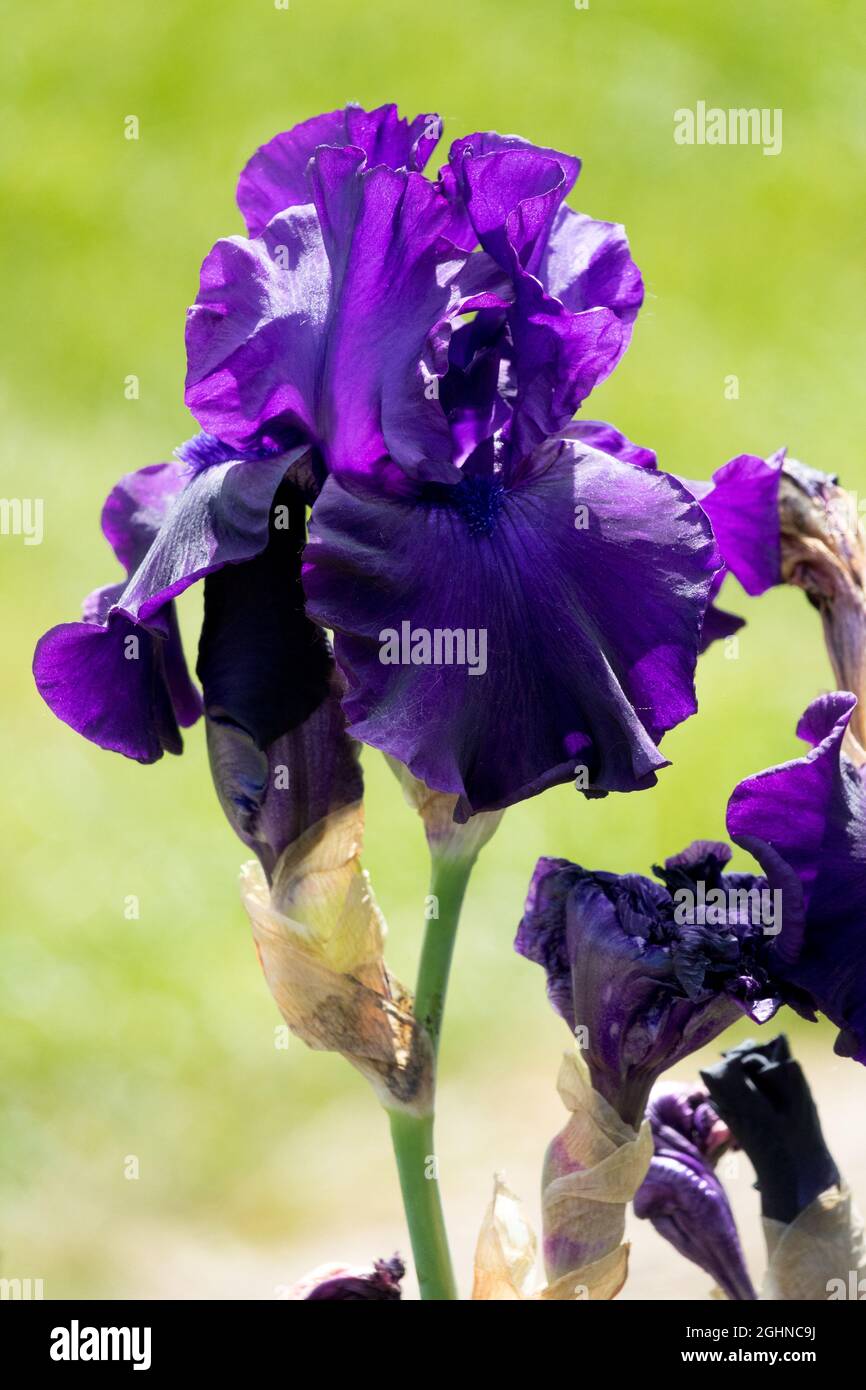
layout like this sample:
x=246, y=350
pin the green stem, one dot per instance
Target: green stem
x=412, y=1135
x=448, y=881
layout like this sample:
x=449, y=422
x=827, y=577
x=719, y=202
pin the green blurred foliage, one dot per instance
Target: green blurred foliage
x=156, y=1037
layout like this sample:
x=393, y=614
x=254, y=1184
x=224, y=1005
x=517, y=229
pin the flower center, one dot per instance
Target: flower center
x=478, y=500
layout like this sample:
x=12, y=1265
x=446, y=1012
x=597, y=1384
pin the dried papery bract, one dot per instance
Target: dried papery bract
x=506, y=1251
x=319, y=935
x=824, y=553
x=818, y=1256
x=592, y=1170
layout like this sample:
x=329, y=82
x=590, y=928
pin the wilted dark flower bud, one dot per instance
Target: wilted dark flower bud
x=641, y=982
x=813, y=1231
x=764, y=1098
x=379, y=1283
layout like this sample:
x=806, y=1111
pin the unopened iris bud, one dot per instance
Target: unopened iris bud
x=681, y=1194
x=378, y=1283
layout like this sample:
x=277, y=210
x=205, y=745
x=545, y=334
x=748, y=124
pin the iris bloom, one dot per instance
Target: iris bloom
x=647, y=974
x=681, y=1194
x=641, y=987
x=406, y=354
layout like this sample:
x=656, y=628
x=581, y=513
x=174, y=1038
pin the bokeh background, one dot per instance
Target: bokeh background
x=155, y=1037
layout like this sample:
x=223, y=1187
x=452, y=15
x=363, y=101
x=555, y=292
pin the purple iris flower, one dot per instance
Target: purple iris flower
x=681, y=1194
x=805, y=823
x=640, y=978
x=353, y=1284
x=742, y=502
x=407, y=355
x=764, y=1097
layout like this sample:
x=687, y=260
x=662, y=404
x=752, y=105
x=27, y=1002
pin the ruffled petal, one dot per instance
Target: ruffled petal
x=136, y=507
x=556, y=669
x=805, y=822
x=576, y=288
x=110, y=684
x=275, y=178
x=318, y=325
x=586, y=263
x=121, y=681
x=742, y=502
x=609, y=440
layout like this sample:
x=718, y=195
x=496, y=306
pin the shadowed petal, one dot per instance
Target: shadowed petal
x=555, y=669
x=805, y=822
x=121, y=681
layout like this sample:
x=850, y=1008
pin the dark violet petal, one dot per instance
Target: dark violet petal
x=599, y=435
x=587, y=263
x=541, y=936
x=109, y=683
x=262, y=664
x=279, y=753
x=453, y=181
x=121, y=680
x=255, y=335
x=136, y=507
x=718, y=624
x=334, y=315
x=764, y=1098
x=688, y=1206
x=743, y=506
x=642, y=988
x=805, y=822
x=536, y=574
x=576, y=289
x=511, y=196
x=275, y=178
x=220, y=518
x=352, y=1285
x=559, y=357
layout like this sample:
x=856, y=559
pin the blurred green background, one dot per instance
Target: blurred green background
x=155, y=1037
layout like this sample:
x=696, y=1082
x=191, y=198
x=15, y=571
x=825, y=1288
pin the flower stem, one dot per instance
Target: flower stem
x=412, y=1135
x=448, y=881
